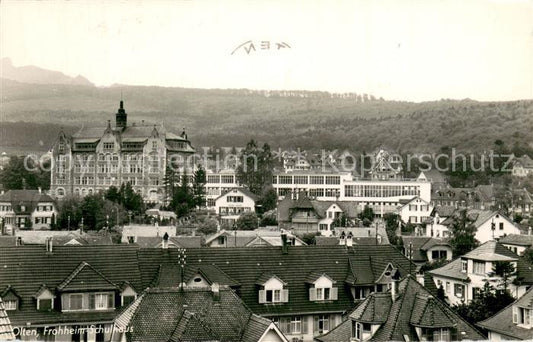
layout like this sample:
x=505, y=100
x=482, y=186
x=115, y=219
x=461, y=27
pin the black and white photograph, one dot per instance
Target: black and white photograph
x=266, y=170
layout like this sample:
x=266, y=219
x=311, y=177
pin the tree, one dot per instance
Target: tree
x=268, y=199
x=462, y=234
x=367, y=213
x=504, y=270
x=486, y=304
x=247, y=221
x=16, y=175
x=199, y=187
x=183, y=200
x=208, y=227
x=255, y=169
x=69, y=213
x=392, y=221
x=270, y=218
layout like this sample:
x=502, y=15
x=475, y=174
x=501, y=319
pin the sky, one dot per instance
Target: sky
x=413, y=50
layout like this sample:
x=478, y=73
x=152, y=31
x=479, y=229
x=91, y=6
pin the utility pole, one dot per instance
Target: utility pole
x=410, y=256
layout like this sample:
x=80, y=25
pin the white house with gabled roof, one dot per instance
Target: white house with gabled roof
x=233, y=203
x=416, y=211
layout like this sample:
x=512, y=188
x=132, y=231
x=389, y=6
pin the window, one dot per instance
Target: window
x=126, y=300
x=479, y=267
x=464, y=265
x=45, y=304
x=101, y=301
x=277, y=296
x=235, y=199
x=10, y=304
x=323, y=293
x=459, y=290
x=296, y=325
x=475, y=292
x=447, y=287
x=321, y=324
x=109, y=145
x=76, y=301
x=501, y=225
x=435, y=255
x=359, y=330
x=522, y=316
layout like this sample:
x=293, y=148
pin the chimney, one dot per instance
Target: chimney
x=420, y=278
x=164, y=245
x=349, y=240
x=342, y=239
x=215, y=288
x=284, y=244
x=529, y=231
x=40, y=190
x=394, y=285
x=49, y=245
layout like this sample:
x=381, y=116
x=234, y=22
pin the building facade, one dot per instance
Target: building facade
x=95, y=158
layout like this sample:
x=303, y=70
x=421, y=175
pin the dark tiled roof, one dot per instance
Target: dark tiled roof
x=428, y=313
x=399, y=322
x=85, y=277
x=375, y=310
x=174, y=241
x=326, y=240
x=502, y=322
x=7, y=241
x=245, y=265
x=26, y=268
x=451, y=270
x=170, y=314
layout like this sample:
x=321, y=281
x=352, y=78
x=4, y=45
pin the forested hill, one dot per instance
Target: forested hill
x=283, y=118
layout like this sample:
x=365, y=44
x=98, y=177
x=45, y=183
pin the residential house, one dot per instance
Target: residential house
x=305, y=215
x=436, y=178
x=488, y=224
x=251, y=238
x=162, y=215
x=95, y=158
x=522, y=166
x=515, y=322
x=232, y=204
x=416, y=211
x=167, y=241
x=198, y=313
x=62, y=237
x=463, y=278
x=436, y=227
x=408, y=312
x=27, y=209
x=357, y=236
x=423, y=249
x=305, y=290
x=218, y=183
x=60, y=292
x=131, y=233
x=492, y=225
x=518, y=243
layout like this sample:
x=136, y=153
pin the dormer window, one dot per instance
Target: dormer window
x=322, y=289
x=45, y=298
x=273, y=291
x=361, y=331
x=127, y=295
x=523, y=316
